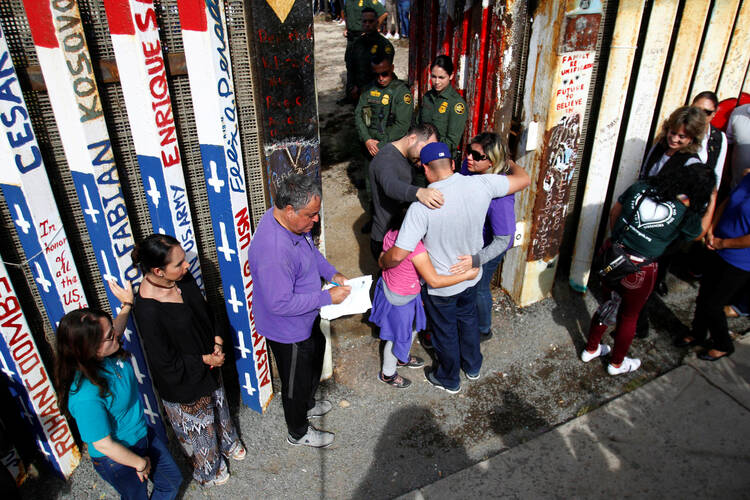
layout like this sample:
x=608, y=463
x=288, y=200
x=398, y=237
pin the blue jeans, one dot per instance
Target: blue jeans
x=165, y=474
x=484, y=294
x=455, y=334
x=403, y=7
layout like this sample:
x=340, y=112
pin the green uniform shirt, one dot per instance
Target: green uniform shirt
x=353, y=12
x=359, y=63
x=384, y=114
x=447, y=111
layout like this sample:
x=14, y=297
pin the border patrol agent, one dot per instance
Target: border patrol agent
x=352, y=12
x=442, y=105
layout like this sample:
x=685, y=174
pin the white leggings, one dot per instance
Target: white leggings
x=389, y=359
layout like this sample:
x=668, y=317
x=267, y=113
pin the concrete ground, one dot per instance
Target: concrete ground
x=683, y=435
x=390, y=442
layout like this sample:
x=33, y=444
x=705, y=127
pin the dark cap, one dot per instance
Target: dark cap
x=434, y=151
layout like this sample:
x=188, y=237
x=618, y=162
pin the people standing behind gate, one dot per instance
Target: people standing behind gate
x=185, y=353
x=391, y=173
x=647, y=217
x=383, y=113
x=442, y=106
x=455, y=229
x=397, y=306
x=370, y=45
x=287, y=269
x=404, y=6
x=487, y=154
x=97, y=385
x=738, y=136
x=677, y=144
x=356, y=25
x=727, y=272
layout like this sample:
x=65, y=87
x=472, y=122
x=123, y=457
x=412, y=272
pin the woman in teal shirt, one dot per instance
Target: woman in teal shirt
x=98, y=387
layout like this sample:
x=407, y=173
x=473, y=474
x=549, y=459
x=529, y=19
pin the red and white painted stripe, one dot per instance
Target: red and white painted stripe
x=30, y=384
x=68, y=73
x=135, y=39
x=206, y=42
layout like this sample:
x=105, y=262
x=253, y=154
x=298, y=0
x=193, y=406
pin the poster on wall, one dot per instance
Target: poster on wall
x=68, y=74
x=204, y=34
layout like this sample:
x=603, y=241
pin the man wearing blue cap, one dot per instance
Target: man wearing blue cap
x=454, y=230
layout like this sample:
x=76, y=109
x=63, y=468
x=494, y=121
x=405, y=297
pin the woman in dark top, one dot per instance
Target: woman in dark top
x=647, y=217
x=185, y=354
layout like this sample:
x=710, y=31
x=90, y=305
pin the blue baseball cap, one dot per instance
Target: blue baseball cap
x=434, y=151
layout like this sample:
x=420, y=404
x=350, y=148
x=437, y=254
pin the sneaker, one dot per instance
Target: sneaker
x=395, y=380
x=313, y=437
x=414, y=362
x=321, y=407
x=222, y=478
x=628, y=365
x=388, y=36
x=430, y=376
x=602, y=350
x=395, y=36
x=472, y=376
x=484, y=337
x=239, y=452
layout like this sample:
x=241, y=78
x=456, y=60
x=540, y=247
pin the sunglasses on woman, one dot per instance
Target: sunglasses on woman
x=475, y=155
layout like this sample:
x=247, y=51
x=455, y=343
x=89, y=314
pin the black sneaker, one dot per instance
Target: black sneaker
x=414, y=362
x=395, y=380
x=430, y=376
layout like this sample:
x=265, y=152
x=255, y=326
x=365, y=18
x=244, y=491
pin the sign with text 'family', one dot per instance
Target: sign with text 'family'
x=27, y=192
x=30, y=384
x=68, y=73
x=140, y=63
x=204, y=34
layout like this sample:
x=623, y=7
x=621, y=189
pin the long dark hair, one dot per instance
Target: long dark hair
x=79, y=335
x=153, y=252
x=696, y=181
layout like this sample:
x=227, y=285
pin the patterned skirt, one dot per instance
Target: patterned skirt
x=206, y=433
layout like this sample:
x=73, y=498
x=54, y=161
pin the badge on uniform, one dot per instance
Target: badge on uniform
x=459, y=108
x=375, y=93
x=386, y=99
x=443, y=107
x=407, y=98
x=374, y=49
x=388, y=49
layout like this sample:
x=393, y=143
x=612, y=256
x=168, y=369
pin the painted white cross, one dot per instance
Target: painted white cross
x=214, y=180
x=26, y=413
x=21, y=222
x=148, y=411
x=244, y=351
x=153, y=191
x=5, y=368
x=107, y=273
x=138, y=375
x=225, y=248
x=248, y=386
x=236, y=304
x=41, y=448
x=127, y=333
x=90, y=211
x=44, y=282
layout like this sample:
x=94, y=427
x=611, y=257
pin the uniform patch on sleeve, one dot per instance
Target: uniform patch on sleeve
x=407, y=98
x=459, y=108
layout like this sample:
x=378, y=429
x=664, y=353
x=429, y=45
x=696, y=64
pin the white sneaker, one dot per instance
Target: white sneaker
x=628, y=365
x=388, y=36
x=396, y=37
x=314, y=437
x=602, y=350
x=322, y=406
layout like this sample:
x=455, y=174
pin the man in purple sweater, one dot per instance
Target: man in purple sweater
x=287, y=269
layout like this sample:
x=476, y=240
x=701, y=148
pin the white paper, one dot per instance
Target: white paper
x=357, y=302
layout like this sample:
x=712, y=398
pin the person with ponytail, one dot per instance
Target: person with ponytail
x=185, y=353
x=97, y=386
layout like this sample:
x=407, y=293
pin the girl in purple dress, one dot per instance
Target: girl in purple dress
x=397, y=305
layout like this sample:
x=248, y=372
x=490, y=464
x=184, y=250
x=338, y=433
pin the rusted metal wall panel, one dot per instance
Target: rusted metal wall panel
x=715, y=46
x=645, y=96
x=619, y=68
x=738, y=55
x=683, y=58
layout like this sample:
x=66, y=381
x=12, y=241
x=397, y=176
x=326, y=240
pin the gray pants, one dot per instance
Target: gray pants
x=389, y=360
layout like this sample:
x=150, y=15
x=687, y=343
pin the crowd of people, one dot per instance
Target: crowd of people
x=393, y=15
x=438, y=237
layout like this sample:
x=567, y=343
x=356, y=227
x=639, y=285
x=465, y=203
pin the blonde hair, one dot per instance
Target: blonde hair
x=694, y=121
x=496, y=151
